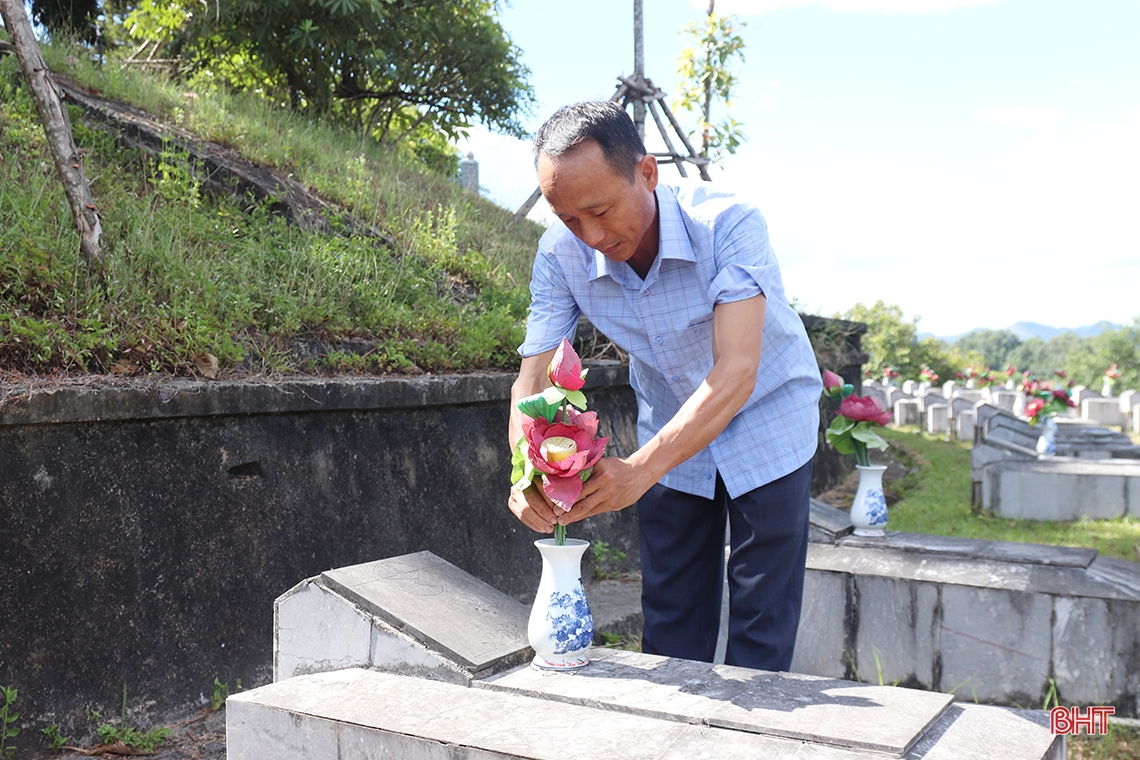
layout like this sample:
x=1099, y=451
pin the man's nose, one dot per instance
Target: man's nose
x=592, y=234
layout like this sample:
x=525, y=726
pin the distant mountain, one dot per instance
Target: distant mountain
x=1024, y=330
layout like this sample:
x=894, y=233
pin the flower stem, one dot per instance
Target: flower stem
x=559, y=534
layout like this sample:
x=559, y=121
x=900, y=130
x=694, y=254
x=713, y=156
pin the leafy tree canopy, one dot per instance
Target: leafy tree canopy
x=394, y=69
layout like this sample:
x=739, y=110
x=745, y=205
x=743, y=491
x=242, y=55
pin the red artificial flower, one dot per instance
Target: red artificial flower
x=1063, y=395
x=565, y=368
x=1033, y=407
x=562, y=479
x=864, y=409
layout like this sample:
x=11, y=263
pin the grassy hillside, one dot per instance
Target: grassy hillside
x=191, y=273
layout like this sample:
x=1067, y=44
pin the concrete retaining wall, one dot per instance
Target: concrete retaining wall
x=147, y=529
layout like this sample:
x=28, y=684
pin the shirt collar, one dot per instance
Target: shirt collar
x=673, y=244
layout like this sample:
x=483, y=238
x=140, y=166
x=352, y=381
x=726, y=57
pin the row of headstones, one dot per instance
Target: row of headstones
x=949, y=409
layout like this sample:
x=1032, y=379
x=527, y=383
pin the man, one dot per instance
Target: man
x=683, y=279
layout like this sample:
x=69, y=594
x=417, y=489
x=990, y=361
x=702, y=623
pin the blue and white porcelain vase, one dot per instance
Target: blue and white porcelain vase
x=1047, y=443
x=869, y=510
x=561, y=627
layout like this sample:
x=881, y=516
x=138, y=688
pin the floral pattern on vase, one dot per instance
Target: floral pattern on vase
x=869, y=509
x=571, y=624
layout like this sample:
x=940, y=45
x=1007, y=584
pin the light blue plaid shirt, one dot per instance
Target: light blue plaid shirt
x=713, y=249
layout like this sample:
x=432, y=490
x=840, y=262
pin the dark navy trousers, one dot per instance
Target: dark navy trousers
x=682, y=556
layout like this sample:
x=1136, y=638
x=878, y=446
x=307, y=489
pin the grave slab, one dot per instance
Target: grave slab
x=435, y=602
x=818, y=710
x=356, y=714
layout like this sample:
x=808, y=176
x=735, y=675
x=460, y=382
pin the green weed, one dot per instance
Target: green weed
x=130, y=736
x=8, y=718
x=607, y=560
x=56, y=740
x=221, y=693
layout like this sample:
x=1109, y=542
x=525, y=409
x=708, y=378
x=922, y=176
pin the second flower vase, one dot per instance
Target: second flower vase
x=561, y=628
x=869, y=510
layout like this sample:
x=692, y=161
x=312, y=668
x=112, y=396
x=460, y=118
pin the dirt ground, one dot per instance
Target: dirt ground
x=843, y=494
x=199, y=736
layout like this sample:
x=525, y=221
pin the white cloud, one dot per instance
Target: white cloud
x=1045, y=232
x=1028, y=117
x=756, y=7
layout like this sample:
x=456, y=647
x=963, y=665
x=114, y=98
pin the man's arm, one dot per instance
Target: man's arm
x=617, y=483
x=531, y=505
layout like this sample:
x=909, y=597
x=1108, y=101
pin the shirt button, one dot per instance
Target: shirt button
x=675, y=378
x=659, y=339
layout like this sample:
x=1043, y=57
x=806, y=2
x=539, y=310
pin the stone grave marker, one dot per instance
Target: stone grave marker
x=906, y=411
x=938, y=419
x=964, y=425
x=1105, y=411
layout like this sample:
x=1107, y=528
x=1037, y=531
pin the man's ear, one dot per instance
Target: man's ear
x=646, y=171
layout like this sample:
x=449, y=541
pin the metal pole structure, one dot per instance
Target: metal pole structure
x=638, y=66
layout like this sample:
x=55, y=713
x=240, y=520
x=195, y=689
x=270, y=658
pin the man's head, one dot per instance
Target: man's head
x=604, y=122
x=595, y=174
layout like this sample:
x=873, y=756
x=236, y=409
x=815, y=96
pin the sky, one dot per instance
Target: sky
x=974, y=162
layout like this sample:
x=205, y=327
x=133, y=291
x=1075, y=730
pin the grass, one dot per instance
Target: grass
x=935, y=499
x=1120, y=743
x=191, y=276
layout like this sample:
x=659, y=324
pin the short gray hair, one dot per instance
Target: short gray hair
x=601, y=120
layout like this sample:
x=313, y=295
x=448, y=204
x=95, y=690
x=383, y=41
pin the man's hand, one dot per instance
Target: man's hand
x=533, y=508
x=614, y=484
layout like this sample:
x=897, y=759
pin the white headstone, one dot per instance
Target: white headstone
x=1105, y=411
x=938, y=418
x=964, y=425
x=906, y=411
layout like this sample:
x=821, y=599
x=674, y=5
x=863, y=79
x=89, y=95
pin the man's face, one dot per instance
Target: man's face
x=611, y=213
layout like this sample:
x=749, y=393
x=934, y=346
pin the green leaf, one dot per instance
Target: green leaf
x=865, y=433
x=522, y=471
x=839, y=425
x=537, y=406
x=577, y=398
x=554, y=395
x=841, y=443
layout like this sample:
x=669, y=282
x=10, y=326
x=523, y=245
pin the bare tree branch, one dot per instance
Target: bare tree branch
x=57, y=128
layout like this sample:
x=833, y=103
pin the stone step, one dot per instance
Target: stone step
x=645, y=713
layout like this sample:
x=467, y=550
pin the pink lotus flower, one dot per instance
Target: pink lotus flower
x=562, y=478
x=566, y=368
x=864, y=409
x=832, y=383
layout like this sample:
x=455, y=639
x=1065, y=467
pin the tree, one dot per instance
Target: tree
x=890, y=340
x=57, y=129
x=1088, y=360
x=705, y=74
x=390, y=66
x=995, y=345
